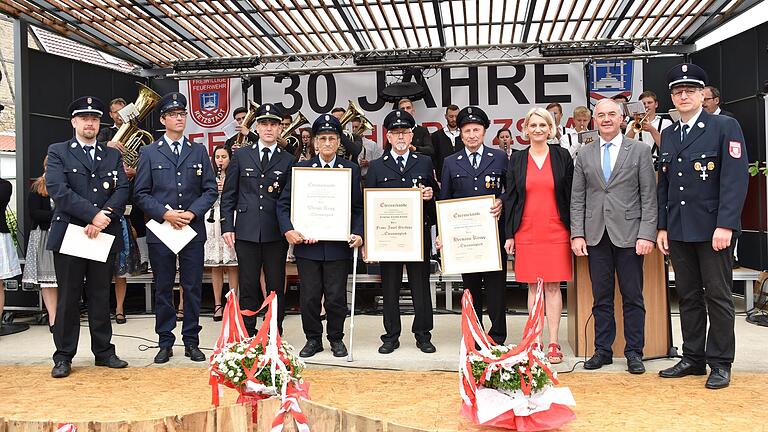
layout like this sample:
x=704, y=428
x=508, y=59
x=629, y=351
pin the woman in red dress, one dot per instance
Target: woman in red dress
x=538, y=199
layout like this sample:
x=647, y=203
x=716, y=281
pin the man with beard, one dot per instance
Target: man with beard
x=400, y=168
x=447, y=140
x=89, y=188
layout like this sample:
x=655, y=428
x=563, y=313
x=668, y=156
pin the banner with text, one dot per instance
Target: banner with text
x=210, y=103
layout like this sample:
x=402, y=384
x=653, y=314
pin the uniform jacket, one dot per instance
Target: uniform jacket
x=625, y=206
x=324, y=250
x=385, y=173
x=460, y=180
x=80, y=190
x=693, y=203
x=184, y=184
x=252, y=194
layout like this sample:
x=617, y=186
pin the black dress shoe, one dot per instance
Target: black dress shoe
x=426, y=347
x=388, y=347
x=312, y=347
x=164, y=355
x=113, y=362
x=61, y=369
x=597, y=361
x=635, y=365
x=718, y=378
x=194, y=353
x=338, y=348
x=681, y=369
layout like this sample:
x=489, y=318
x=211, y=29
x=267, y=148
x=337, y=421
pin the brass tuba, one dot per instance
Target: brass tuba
x=248, y=121
x=352, y=112
x=129, y=134
x=288, y=135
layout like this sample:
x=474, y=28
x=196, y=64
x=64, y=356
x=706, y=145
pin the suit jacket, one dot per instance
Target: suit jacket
x=253, y=194
x=6, y=190
x=324, y=250
x=80, y=190
x=691, y=203
x=385, y=173
x=444, y=147
x=514, y=195
x=186, y=183
x=460, y=180
x=624, y=206
x=422, y=141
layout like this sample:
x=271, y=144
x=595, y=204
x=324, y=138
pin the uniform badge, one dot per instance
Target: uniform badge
x=199, y=171
x=269, y=189
x=415, y=183
x=114, y=179
x=697, y=166
x=106, y=185
x=734, y=149
x=710, y=166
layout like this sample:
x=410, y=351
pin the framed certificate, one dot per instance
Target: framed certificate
x=321, y=202
x=470, y=235
x=394, y=224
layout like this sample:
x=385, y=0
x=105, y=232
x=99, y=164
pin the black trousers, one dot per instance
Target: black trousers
x=606, y=263
x=495, y=297
x=70, y=272
x=251, y=258
x=418, y=281
x=318, y=279
x=704, y=281
x=163, y=262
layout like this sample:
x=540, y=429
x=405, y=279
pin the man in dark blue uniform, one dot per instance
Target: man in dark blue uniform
x=324, y=265
x=175, y=183
x=255, y=179
x=477, y=171
x=88, y=185
x=401, y=168
x=702, y=186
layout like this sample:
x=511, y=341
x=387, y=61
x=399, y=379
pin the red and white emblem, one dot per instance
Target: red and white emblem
x=734, y=149
x=209, y=101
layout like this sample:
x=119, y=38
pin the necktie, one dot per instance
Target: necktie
x=474, y=160
x=264, y=158
x=87, y=150
x=327, y=166
x=607, y=161
x=685, y=132
x=400, y=163
x=176, y=149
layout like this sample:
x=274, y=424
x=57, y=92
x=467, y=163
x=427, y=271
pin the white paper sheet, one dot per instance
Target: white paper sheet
x=174, y=238
x=77, y=243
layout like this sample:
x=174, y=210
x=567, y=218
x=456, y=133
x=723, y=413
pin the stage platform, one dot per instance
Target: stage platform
x=178, y=399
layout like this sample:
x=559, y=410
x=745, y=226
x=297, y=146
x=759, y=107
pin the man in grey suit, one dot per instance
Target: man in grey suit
x=613, y=222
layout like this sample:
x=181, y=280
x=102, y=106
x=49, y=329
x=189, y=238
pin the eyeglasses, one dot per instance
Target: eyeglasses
x=399, y=134
x=176, y=114
x=690, y=91
x=709, y=99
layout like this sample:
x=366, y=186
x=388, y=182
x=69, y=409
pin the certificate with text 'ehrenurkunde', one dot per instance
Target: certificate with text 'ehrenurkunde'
x=394, y=225
x=321, y=202
x=470, y=235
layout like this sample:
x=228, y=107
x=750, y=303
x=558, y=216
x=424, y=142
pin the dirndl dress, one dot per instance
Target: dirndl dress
x=9, y=258
x=217, y=253
x=38, y=270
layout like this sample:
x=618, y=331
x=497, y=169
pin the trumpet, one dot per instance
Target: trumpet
x=639, y=122
x=287, y=134
x=248, y=121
